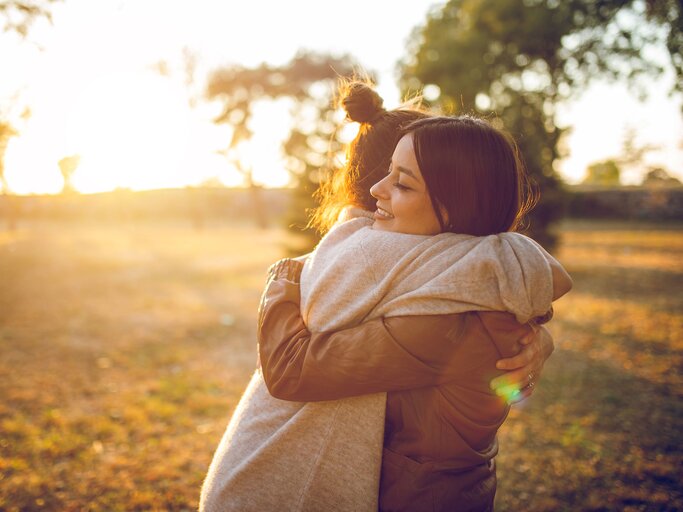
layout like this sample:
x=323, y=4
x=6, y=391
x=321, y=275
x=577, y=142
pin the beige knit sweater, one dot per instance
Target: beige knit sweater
x=326, y=456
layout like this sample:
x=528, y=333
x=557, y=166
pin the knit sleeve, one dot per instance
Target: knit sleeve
x=524, y=276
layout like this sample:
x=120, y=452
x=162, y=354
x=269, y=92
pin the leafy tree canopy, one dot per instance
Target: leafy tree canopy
x=514, y=60
x=310, y=81
x=18, y=15
x=658, y=177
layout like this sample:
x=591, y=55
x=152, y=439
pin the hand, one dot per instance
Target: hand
x=524, y=369
x=302, y=258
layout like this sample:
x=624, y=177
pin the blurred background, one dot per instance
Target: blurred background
x=156, y=157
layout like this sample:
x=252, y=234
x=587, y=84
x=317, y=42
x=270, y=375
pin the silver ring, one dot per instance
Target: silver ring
x=531, y=376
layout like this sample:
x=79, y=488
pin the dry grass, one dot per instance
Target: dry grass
x=122, y=352
x=124, y=348
x=603, y=430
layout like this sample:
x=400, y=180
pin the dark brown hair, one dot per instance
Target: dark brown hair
x=367, y=156
x=473, y=172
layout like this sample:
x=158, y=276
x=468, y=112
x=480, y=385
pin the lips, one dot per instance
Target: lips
x=382, y=214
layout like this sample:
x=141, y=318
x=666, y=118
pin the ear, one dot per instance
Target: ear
x=445, y=217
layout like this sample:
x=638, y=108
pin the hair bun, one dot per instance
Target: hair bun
x=361, y=102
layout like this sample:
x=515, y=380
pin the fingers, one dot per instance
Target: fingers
x=530, y=352
x=522, y=370
x=524, y=358
x=547, y=342
x=528, y=339
x=514, y=392
x=515, y=379
x=513, y=395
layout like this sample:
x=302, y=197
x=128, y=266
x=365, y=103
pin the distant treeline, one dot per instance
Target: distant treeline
x=271, y=206
x=626, y=203
x=199, y=205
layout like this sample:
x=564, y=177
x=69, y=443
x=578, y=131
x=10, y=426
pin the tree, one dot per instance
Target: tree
x=309, y=81
x=514, y=61
x=9, y=208
x=67, y=166
x=632, y=153
x=6, y=133
x=605, y=174
x=19, y=15
x=658, y=177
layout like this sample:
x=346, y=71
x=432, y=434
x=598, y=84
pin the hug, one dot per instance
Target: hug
x=377, y=350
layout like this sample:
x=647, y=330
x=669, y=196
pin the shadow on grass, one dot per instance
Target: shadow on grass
x=658, y=288
x=594, y=437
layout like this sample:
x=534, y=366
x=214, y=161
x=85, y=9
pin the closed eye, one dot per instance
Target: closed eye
x=401, y=187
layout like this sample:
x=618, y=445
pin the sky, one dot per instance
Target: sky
x=91, y=82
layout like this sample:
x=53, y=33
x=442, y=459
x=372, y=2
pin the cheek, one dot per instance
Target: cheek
x=428, y=219
x=415, y=215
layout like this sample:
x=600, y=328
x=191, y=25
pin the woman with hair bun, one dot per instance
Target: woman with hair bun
x=377, y=353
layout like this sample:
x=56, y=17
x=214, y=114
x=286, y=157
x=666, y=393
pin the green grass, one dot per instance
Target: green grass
x=123, y=350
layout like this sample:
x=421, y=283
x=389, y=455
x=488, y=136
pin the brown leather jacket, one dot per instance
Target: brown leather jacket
x=441, y=416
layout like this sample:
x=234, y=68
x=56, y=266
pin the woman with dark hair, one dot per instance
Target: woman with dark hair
x=323, y=452
x=368, y=157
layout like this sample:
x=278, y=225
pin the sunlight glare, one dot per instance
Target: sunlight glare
x=31, y=172
x=271, y=122
x=131, y=132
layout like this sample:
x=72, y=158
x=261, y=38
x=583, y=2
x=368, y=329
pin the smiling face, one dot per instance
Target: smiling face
x=403, y=202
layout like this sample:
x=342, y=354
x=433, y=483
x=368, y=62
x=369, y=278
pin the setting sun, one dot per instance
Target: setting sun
x=131, y=131
x=110, y=81
x=137, y=131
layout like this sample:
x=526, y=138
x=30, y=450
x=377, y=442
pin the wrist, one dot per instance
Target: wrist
x=548, y=345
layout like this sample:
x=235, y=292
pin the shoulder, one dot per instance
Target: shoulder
x=518, y=241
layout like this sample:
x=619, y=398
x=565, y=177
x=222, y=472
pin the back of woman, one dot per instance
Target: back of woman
x=434, y=460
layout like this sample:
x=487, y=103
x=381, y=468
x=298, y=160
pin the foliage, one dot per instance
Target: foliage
x=309, y=81
x=19, y=15
x=633, y=153
x=514, y=61
x=602, y=173
x=658, y=176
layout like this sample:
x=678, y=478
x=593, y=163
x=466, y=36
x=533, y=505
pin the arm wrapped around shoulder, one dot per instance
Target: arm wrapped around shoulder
x=385, y=354
x=523, y=273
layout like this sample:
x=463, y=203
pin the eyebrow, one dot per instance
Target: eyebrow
x=406, y=171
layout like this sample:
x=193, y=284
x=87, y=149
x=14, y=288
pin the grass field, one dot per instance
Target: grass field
x=123, y=350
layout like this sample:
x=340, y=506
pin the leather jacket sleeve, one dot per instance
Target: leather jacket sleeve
x=386, y=354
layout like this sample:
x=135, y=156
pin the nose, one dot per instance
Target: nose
x=378, y=190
